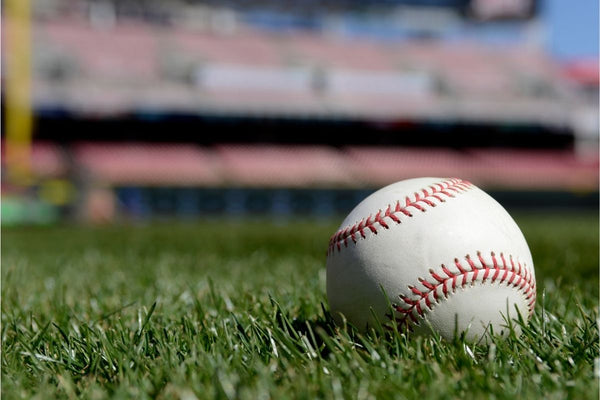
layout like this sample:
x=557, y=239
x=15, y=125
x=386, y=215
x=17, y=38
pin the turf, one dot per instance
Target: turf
x=215, y=309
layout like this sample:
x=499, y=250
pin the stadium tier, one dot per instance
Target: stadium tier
x=181, y=165
x=142, y=69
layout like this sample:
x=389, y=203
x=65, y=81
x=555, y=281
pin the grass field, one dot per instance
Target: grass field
x=228, y=310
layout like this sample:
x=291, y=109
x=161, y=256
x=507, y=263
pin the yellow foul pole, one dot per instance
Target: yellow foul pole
x=19, y=118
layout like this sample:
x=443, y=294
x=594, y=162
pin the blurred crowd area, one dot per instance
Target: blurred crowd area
x=146, y=108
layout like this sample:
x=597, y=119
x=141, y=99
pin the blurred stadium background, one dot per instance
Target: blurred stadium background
x=127, y=110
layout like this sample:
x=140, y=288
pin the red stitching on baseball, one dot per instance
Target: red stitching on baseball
x=443, y=277
x=423, y=198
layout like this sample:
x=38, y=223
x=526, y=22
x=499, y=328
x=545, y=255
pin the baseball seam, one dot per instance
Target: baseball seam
x=443, y=282
x=421, y=201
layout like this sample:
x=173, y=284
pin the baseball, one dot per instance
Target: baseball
x=446, y=254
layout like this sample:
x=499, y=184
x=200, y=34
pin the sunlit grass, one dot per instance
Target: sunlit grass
x=212, y=309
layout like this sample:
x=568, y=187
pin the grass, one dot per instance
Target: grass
x=238, y=310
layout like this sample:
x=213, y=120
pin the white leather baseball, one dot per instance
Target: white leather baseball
x=448, y=256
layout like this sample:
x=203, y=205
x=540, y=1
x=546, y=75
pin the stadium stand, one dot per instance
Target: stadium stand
x=201, y=105
x=264, y=165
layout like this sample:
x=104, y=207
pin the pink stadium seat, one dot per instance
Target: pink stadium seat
x=492, y=168
x=292, y=166
x=335, y=53
x=125, y=52
x=47, y=160
x=242, y=48
x=535, y=169
x=147, y=164
x=384, y=165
